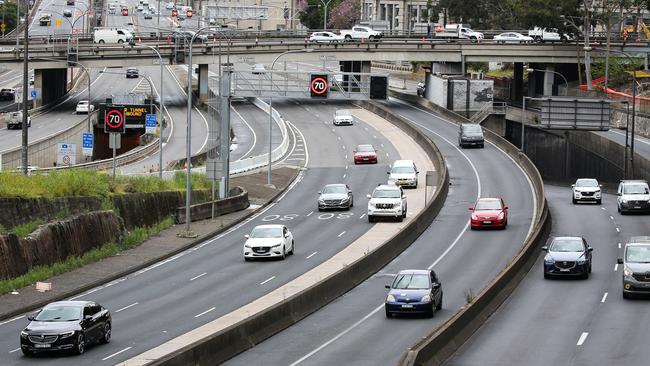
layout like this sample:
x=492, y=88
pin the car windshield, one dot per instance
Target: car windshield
x=343, y=113
x=62, y=313
x=82, y=102
x=411, y=282
x=566, y=245
x=487, y=205
x=365, y=148
x=266, y=232
x=402, y=170
x=386, y=193
x=637, y=254
x=333, y=189
x=586, y=183
x=635, y=189
x=472, y=129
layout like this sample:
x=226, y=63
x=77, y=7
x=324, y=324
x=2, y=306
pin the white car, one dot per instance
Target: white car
x=169, y=6
x=259, y=69
x=343, y=117
x=140, y=8
x=85, y=107
x=387, y=200
x=512, y=37
x=403, y=173
x=326, y=37
x=268, y=241
x=586, y=189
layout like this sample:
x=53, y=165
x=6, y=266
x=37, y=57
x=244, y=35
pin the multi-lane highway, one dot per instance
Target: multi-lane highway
x=570, y=322
x=353, y=330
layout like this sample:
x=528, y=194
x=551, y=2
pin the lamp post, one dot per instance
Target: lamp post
x=271, y=106
x=566, y=83
x=325, y=5
x=523, y=123
x=25, y=89
x=162, y=109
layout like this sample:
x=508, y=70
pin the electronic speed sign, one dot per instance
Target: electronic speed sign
x=114, y=120
x=319, y=86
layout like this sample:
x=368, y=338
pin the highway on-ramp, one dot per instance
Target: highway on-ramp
x=353, y=330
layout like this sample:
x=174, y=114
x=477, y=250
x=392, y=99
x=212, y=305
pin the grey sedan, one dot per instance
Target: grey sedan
x=335, y=196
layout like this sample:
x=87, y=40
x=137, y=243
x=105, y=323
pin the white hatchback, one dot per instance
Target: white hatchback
x=268, y=241
x=85, y=107
x=326, y=37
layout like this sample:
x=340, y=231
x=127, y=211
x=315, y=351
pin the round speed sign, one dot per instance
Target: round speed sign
x=318, y=86
x=114, y=120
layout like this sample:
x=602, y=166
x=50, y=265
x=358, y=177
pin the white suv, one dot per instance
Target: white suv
x=586, y=189
x=387, y=200
x=633, y=195
x=403, y=173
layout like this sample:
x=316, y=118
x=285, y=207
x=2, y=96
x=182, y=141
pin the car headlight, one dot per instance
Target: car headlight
x=549, y=260
x=474, y=217
x=320, y=200
x=624, y=200
x=276, y=245
x=371, y=205
x=248, y=246
x=345, y=199
x=581, y=261
x=501, y=216
x=23, y=334
x=627, y=271
x=426, y=298
x=67, y=334
x=390, y=298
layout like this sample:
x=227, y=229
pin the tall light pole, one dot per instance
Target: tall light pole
x=325, y=4
x=566, y=83
x=25, y=88
x=271, y=106
x=162, y=108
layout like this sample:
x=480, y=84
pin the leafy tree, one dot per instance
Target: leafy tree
x=8, y=15
x=311, y=14
x=345, y=14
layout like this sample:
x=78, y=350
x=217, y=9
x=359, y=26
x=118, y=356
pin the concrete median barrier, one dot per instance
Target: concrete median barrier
x=443, y=341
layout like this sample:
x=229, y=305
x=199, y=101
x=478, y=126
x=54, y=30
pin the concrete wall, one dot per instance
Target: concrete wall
x=237, y=201
x=146, y=209
x=56, y=241
x=619, y=119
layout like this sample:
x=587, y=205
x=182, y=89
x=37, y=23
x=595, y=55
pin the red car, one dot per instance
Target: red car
x=489, y=212
x=365, y=154
x=125, y=11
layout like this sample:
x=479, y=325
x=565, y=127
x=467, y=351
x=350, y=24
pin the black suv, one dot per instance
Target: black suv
x=470, y=134
x=7, y=94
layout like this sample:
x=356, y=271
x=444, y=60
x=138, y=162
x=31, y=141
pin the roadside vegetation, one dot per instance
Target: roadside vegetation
x=132, y=239
x=84, y=182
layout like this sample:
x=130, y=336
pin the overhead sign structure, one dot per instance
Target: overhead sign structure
x=87, y=147
x=150, y=123
x=562, y=113
x=66, y=154
x=114, y=120
x=319, y=86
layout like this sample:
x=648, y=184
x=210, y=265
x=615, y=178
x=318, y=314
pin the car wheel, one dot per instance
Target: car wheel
x=482, y=145
x=319, y=209
x=618, y=208
x=431, y=313
x=388, y=313
x=626, y=295
x=348, y=38
x=400, y=218
x=574, y=201
x=586, y=275
x=106, y=336
x=246, y=259
x=439, y=306
x=599, y=201
x=80, y=345
x=120, y=41
x=284, y=253
x=293, y=246
x=371, y=219
x=351, y=203
x=27, y=352
x=101, y=41
x=546, y=275
x=589, y=267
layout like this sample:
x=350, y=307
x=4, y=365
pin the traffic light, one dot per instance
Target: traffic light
x=379, y=87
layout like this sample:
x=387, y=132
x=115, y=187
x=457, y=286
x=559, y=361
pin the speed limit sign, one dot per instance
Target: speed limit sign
x=318, y=86
x=114, y=121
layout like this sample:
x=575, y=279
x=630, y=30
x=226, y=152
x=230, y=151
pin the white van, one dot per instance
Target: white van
x=112, y=35
x=403, y=173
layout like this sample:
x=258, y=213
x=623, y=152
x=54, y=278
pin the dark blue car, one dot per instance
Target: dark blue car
x=414, y=291
x=567, y=256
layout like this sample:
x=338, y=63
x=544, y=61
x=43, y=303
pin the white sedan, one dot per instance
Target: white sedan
x=85, y=107
x=326, y=37
x=268, y=241
x=512, y=37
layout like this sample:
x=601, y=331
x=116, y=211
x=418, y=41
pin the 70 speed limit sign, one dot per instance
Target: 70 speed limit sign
x=114, y=120
x=319, y=86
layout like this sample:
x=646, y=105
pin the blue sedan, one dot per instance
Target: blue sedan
x=414, y=291
x=567, y=256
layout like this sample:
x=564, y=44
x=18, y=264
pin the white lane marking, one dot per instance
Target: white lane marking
x=382, y=145
x=339, y=137
x=252, y=130
x=267, y=280
x=199, y=276
x=611, y=217
x=602, y=208
x=362, y=215
x=126, y=307
x=635, y=139
x=14, y=350
x=346, y=167
x=478, y=194
x=205, y=312
x=341, y=234
x=616, y=267
x=604, y=297
x=309, y=214
x=387, y=155
x=343, y=146
x=346, y=157
x=116, y=353
x=311, y=255
x=582, y=339
x=619, y=245
x=618, y=230
x=344, y=176
x=12, y=320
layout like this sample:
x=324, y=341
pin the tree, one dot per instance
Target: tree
x=8, y=13
x=345, y=14
x=311, y=14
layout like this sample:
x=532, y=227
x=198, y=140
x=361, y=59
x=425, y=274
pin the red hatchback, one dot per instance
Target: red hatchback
x=489, y=212
x=365, y=154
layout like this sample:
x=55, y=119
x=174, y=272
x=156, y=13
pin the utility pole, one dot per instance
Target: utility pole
x=25, y=87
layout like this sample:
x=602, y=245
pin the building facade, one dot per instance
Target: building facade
x=395, y=15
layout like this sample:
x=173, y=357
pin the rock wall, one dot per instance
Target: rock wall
x=54, y=242
x=16, y=211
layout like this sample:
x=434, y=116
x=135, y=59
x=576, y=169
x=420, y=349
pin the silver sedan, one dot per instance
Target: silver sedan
x=512, y=37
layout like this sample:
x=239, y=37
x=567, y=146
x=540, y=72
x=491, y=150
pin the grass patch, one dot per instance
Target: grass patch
x=85, y=182
x=27, y=228
x=132, y=239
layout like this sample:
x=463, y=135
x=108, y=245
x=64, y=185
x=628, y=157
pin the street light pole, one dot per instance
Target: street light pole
x=162, y=106
x=25, y=90
x=566, y=83
x=325, y=5
x=271, y=106
x=523, y=123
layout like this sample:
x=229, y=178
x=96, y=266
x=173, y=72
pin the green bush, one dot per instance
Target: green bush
x=619, y=69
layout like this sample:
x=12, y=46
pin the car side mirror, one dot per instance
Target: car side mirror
x=505, y=207
x=416, y=172
x=387, y=286
x=387, y=172
x=573, y=186
x=368, y=196
x=591, y=249
x=436, y=285
x=545, y=248
x=247, y=236
x=319, y=192
x=618, y=194
x=471, y=208
x=619, y=260
x=88, y=317
x=31, y=317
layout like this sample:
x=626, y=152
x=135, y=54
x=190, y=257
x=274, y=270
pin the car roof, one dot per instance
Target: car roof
x=644, y=240
x=403, y=163
x=567, y=238
x=335, y=185
x=634, y=181
x=489, y=199
x=369, y=145
x=70, y=303
x=387, y=187
x=414, y=271
x=270, y=226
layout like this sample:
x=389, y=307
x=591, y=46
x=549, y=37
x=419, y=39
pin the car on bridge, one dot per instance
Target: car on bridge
x=567, y=256
x=414, y=291
x=66, y=326
x=636, y=266
x=586, y=189
x=365, y=154
x=132, y=72
x=169, y=6
x=512, y=37
x=7, y=93
x=15, y=120
x=489, y=213
x=633, y=196
x=335, y=196
x=268, y=241
x=125, y=12
x=147, y=14
x=387, y=200
x=326, y=37
x=84, y=107
x=67, y=13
